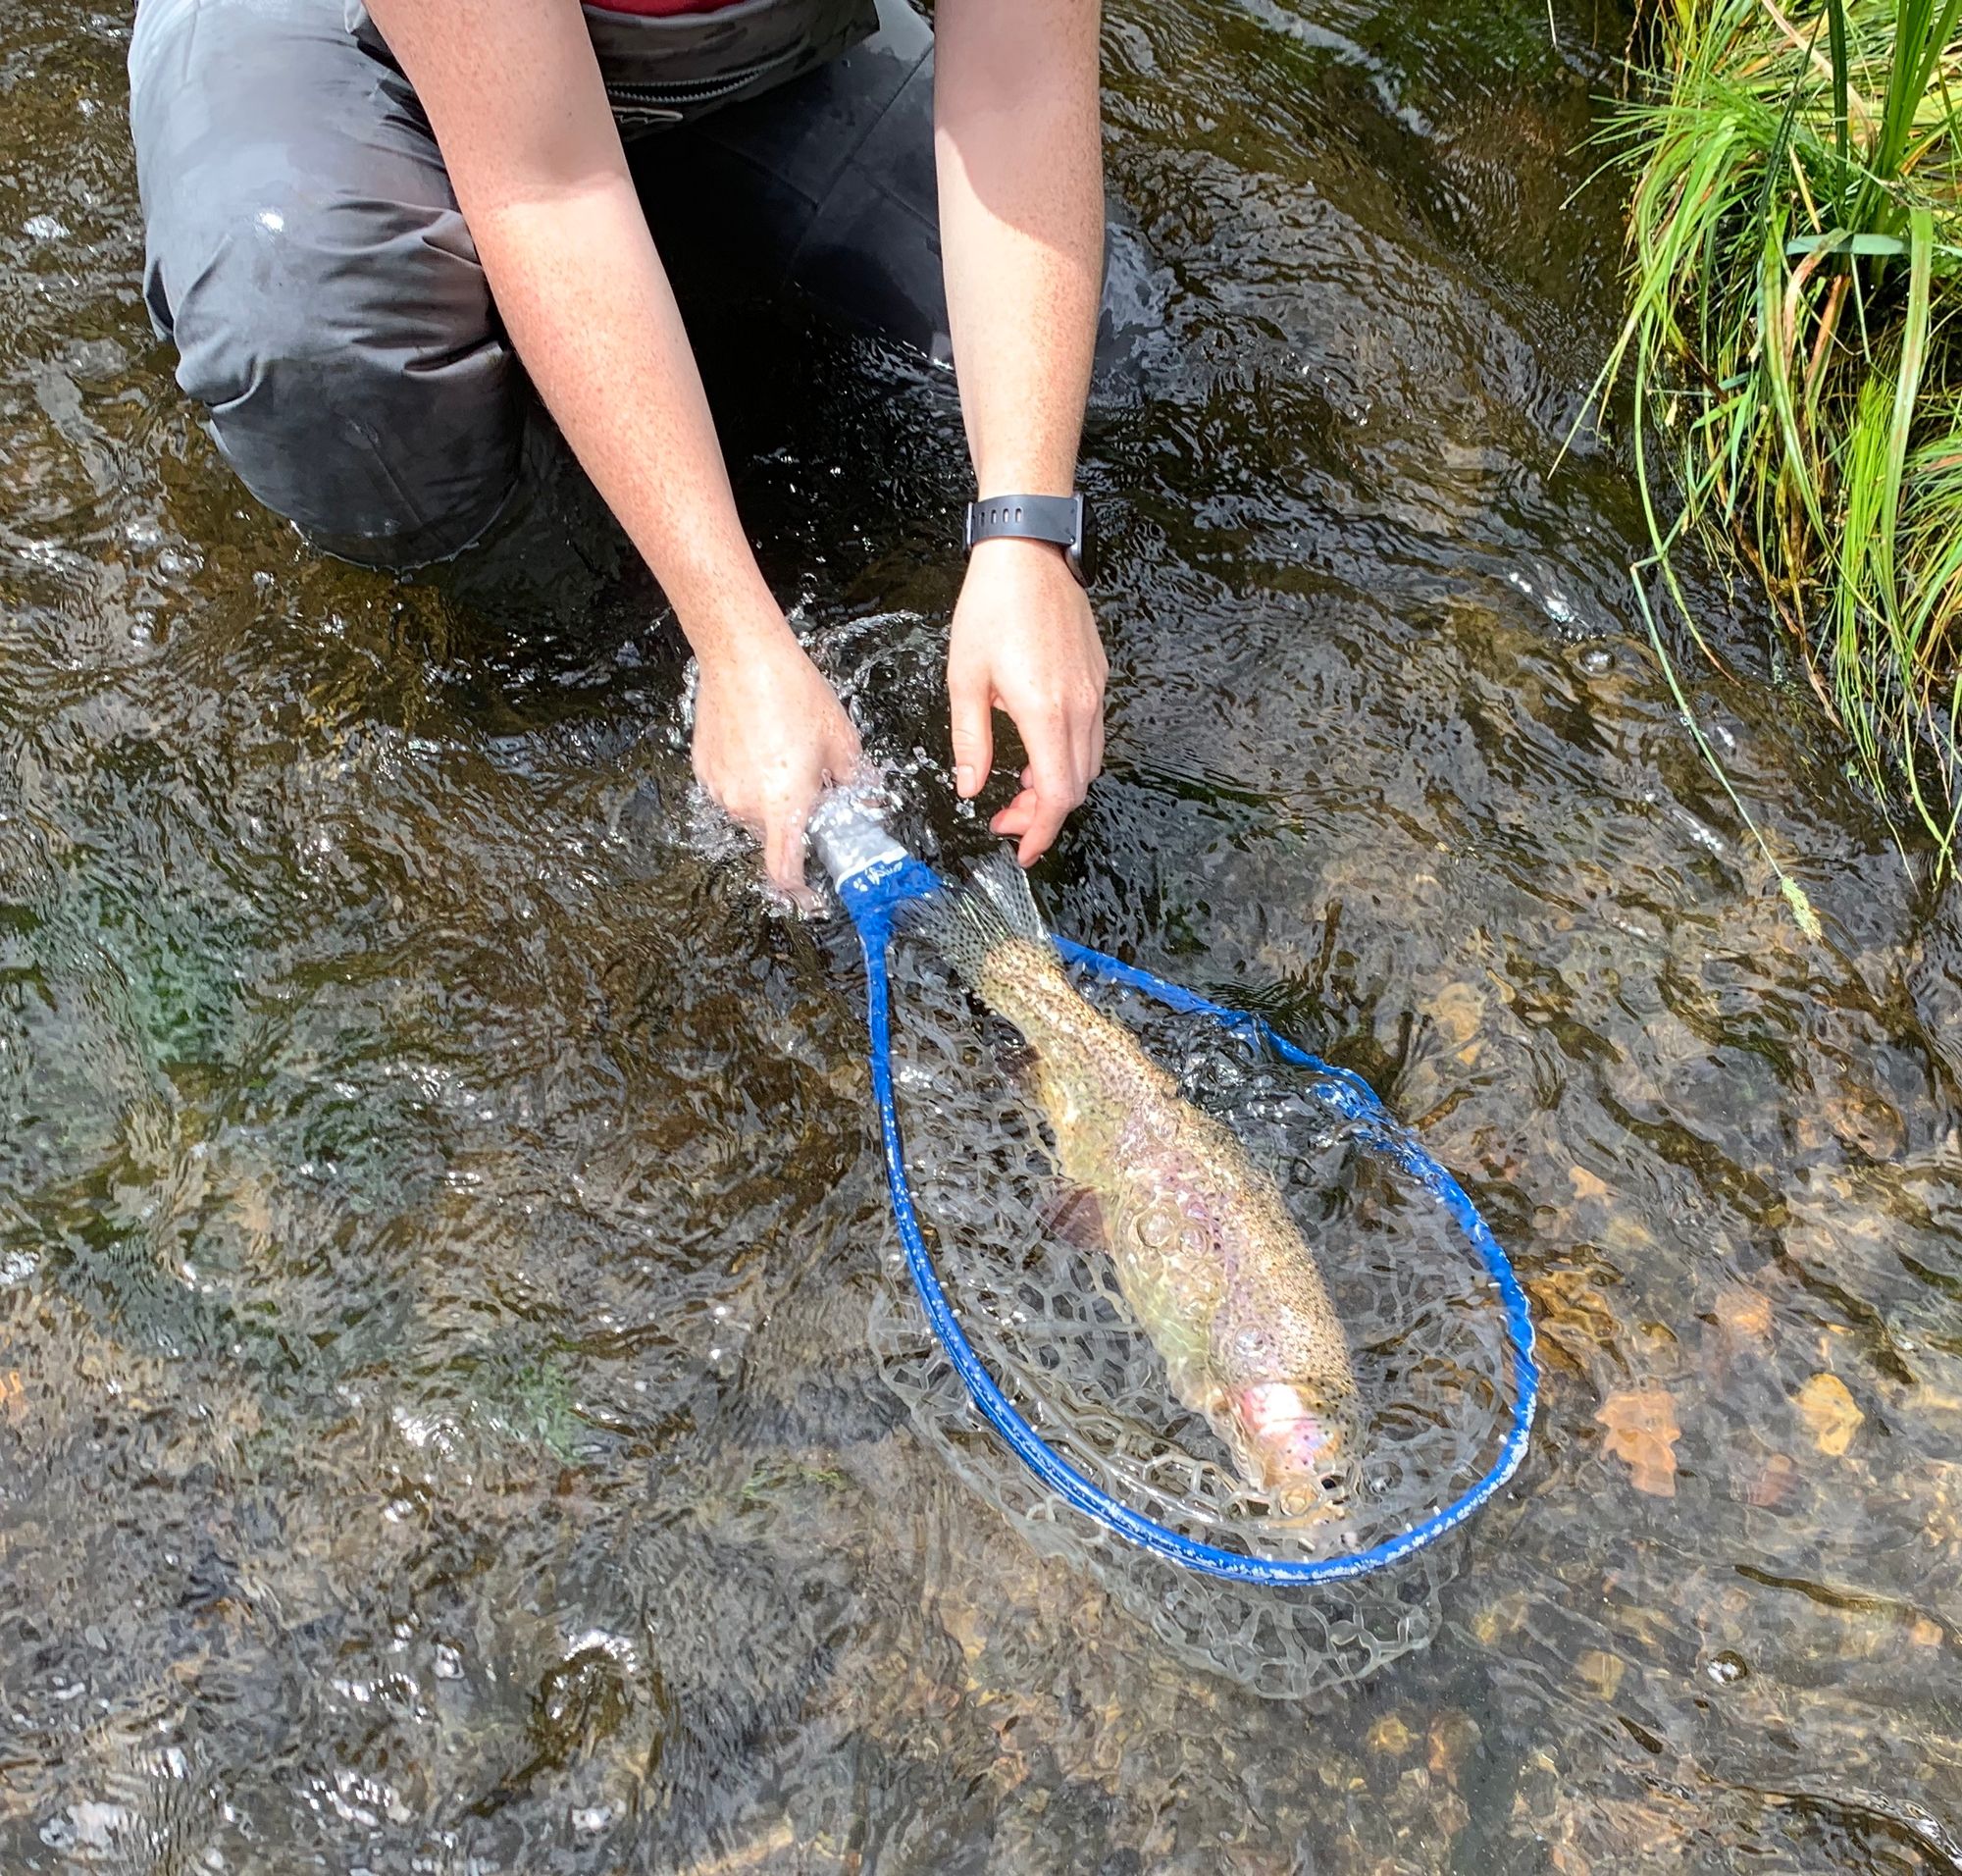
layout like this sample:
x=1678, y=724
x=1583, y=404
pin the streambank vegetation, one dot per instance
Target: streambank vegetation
x=1795, y=275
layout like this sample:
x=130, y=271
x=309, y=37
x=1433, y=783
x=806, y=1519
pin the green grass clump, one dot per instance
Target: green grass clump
x=1797, y=267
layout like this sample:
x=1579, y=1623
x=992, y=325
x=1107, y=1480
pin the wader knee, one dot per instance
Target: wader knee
x=391, y=439
x=310, y=264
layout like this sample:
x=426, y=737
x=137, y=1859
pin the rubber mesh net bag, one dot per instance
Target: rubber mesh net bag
x=1039, y=1302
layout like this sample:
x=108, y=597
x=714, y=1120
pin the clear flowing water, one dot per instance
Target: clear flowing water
x=440, y=1211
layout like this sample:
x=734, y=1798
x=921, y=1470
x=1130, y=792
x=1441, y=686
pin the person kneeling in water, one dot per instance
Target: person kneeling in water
x=354, y=216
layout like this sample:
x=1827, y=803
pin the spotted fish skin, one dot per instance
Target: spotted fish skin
x=1206, y=1252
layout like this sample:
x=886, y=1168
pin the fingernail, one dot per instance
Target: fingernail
x=963, y=780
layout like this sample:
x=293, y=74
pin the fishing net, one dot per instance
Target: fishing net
x=1431, y=1341
x=1023, y=1366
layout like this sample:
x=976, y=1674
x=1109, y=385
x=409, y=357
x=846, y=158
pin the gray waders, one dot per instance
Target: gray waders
x=305, y=254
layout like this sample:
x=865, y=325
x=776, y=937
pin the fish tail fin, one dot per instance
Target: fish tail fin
x=1007, y=887
x=963, y=927
x=968, y=924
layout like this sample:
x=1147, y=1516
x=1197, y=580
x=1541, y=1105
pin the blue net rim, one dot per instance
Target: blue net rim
x=872, y=897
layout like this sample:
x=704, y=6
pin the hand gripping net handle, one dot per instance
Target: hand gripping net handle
x=874, y=875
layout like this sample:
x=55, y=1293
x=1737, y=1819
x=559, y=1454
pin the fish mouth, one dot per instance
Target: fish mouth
x=1296, y=1451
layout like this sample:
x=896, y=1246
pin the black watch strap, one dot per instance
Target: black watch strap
x=1061, y=519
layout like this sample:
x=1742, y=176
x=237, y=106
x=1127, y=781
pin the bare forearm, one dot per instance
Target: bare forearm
x=519, y=109
x=1021, y=210
x=520, y=112
x=1021, y=203
x=589, y=310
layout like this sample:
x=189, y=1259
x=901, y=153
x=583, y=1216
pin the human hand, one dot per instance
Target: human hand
x=770, y=736
x=1024, y=641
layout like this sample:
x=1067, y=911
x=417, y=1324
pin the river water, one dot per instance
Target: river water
x=440, y=1211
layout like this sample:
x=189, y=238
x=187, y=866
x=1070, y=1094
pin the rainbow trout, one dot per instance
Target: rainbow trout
x=1207, y=1255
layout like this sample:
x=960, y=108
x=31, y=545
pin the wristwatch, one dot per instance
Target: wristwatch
x=1061, y=519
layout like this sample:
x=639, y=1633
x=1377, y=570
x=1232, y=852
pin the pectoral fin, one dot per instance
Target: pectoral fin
x=1077, y=1216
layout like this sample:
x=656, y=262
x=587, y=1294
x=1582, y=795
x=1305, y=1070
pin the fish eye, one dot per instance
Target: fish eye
x=1332, y=1482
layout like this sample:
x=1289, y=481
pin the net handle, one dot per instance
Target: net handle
x=871, y=896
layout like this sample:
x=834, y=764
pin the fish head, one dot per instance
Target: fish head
x=1298, y=1446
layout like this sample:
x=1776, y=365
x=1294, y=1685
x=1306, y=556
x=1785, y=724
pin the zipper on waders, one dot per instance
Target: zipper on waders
x=671, y=103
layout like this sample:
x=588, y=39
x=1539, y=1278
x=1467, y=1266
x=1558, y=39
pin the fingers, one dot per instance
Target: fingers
x=1052, y=785
x=1052, y=810
x=1064, y=756
x=783, y=852
x=971, y=712
x=845, y=760
x=1012, y=822
x=1052, y=790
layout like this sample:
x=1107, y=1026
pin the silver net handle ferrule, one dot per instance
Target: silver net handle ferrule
x=849, y=838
